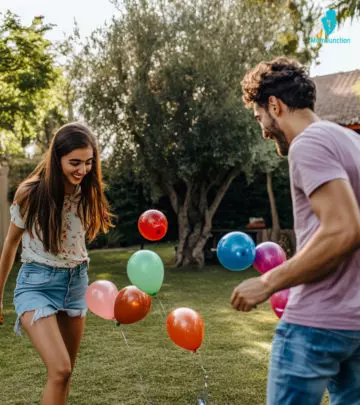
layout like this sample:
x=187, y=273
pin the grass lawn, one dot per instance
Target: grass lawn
x=235, y=350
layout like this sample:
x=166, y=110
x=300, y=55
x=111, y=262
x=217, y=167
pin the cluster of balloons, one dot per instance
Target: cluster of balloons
x=145, y=271
x=236, y=251
x=128, y=305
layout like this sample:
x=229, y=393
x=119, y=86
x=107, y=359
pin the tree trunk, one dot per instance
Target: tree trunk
x=4, y=205
x=193, y=243
x=195, y=229
x=275, y=232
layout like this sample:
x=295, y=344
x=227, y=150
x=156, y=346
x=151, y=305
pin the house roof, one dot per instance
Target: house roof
x=337, y=98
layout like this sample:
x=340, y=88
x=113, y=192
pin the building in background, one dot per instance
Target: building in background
x=338, y=98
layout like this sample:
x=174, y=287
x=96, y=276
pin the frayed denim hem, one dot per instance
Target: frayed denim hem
x=46, y=312
x=73, y=313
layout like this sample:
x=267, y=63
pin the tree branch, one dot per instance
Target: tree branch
x=218, y=180
x=174, y=200
x=203, y=205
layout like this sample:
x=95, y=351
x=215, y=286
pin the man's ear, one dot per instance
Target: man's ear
x=275, y=106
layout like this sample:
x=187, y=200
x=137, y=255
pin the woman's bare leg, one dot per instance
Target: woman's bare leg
x=71, y=329
x=48, y=341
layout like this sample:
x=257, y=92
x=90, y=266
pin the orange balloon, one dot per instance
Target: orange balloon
x=185, y=328
x=131, y=305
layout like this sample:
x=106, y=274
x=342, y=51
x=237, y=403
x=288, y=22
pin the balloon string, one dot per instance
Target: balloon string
x=204, y=396
x=163, y=312
x=163, y=315
x=124, y=336
x=142, y=388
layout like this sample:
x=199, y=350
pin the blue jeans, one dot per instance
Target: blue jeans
x=305, y=361
x=47, y=290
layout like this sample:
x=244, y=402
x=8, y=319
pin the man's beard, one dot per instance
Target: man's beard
x=279, y=137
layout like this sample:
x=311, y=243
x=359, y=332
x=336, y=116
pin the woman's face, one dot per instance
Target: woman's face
x=75, y=166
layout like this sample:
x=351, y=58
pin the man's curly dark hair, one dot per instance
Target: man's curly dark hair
x=283, y=78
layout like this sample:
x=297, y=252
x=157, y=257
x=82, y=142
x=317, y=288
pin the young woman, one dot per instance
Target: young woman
x=60, y=204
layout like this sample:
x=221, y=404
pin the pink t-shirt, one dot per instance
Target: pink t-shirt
x=323, y=152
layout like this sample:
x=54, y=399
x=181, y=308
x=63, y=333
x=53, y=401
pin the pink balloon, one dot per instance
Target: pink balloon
x=100, y=298
x=268, y=256
x=278, y=302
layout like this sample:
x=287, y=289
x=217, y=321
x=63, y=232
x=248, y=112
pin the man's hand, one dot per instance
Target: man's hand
x=250, y=293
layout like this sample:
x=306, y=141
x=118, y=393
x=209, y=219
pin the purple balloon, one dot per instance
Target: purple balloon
x=268, y=256
x=278, y=302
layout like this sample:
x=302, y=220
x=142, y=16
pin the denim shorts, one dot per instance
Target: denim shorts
x=306, y=361
x=47, y=290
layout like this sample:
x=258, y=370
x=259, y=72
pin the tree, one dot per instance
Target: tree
x=162, y=87
x=27, y=71
x=266, y=160
x=72, y=65
x=30, y=105
x=346, y=9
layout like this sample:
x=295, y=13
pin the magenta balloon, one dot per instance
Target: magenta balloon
x=278, y=302
x=268, y=256
x=100, y=298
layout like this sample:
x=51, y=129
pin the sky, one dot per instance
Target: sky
x=91, y=14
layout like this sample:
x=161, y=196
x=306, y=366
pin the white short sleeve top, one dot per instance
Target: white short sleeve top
x=73, y=248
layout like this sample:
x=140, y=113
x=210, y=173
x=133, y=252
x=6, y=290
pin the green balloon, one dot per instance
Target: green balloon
x=145, y=270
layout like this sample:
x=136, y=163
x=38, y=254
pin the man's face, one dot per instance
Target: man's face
x=271, y=130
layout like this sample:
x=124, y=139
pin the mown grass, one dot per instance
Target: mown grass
x=151, y=369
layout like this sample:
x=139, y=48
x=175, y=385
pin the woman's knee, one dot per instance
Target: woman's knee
x=60, y=372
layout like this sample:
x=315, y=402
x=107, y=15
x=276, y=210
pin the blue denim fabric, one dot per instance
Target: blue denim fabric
x=306, y=361
x=47, y=290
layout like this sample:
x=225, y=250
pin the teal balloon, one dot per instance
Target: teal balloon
x=145, y=270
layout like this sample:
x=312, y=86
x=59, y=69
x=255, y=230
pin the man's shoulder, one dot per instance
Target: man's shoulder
x=316, y=137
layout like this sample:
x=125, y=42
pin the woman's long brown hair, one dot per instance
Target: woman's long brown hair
x=41, y=195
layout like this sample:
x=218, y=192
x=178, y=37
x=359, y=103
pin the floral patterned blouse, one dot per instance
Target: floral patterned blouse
x=73, y=249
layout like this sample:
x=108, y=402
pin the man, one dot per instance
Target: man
x=317, y=342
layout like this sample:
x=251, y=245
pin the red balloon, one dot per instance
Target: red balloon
x=278, y=302
x=185, y=328
x=131, y=305
x=153, y=225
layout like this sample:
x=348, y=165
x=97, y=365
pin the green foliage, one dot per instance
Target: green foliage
x=163, y=80
x=19, y=169
x=161, y=85
x=346, y=9
x=295, y=39
x=243, y=200
x=71, y=63
x=27, y=71
x=128, y=200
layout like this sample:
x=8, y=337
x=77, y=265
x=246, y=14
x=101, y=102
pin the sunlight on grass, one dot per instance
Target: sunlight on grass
x=255, y=352
x=235, y=351
x=104, y=276
x=263, y=346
